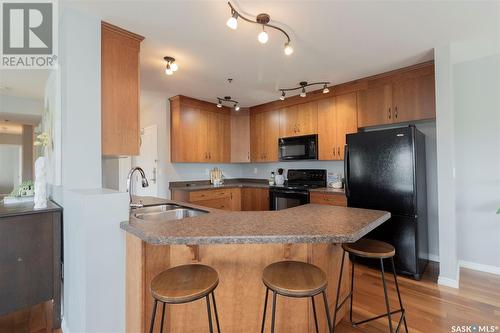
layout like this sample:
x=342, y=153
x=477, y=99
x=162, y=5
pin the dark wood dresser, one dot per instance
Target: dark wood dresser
x=30, y=257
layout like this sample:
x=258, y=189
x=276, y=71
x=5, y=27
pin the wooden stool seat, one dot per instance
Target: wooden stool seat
x=294, y=278
x=370, y=248
x=184, y=283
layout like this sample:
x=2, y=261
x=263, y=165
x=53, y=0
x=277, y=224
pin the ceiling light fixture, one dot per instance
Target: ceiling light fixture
x=261, y=19
x=302, y=86
x=171, y=65
x=227, y=99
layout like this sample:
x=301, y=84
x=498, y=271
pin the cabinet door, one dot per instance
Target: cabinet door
x=414, y=98
x=26, y=261
x=332, y=199
x=376, y=105
x=254, y=199
x=307, y=118
x=240, y=138
x=120, y=93
x=189, y=126
x=256, y=137
x=271, y=134
x=327, y=129
x=289, y=121
x=345, y=120
x=218, y=137
x=218, y=203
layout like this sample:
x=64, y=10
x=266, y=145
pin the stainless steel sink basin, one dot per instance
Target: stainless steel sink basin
x=166, y=212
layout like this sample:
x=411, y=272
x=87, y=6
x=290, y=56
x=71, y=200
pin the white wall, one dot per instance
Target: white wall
x=10, y=162
x=94, y=250
x=477, y=131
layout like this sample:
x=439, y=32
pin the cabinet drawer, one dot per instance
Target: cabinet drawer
x=219, y=203
x=209, y=194
x=333, y=199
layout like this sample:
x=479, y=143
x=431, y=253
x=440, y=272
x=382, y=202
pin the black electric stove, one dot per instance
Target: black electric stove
x=295, y=191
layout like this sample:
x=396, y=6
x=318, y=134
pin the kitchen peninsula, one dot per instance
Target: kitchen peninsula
x=239, y=245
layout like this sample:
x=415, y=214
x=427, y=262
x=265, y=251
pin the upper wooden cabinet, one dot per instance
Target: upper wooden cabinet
x=240, y=136
x=199, y=131
x=264, y=135
x=337, y=116
x=401, y=97
x=299, y=119
x=120, y=128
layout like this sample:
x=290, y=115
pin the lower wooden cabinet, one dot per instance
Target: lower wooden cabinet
x=325, y=198
x=254, y=199
x=233, y=199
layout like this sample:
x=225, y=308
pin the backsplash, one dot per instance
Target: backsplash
x=263, y=170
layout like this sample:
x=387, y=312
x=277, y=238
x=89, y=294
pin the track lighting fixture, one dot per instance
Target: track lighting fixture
x=302, y=86
x=171, y=65
x=227, y=99
x=261, y=19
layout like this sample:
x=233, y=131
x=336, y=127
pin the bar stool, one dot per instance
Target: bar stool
x=373, y=249
x=294, y=279
x=184, y=284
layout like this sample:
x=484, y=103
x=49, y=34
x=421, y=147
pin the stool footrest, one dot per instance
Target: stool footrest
x=381, y=316
x=342, y=303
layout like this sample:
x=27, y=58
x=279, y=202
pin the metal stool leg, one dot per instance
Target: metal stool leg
x=385, y=295
x=151, y=326
x=264, y=315
x=216, y=314
x=352, y=291
x=209, y=315
x=315, y=316
x=338, y=292
x=273, y=318
x=327, y=310
x=162, y=317
x=403, y=313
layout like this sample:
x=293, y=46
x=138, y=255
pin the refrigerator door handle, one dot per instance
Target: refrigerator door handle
x=346, y=170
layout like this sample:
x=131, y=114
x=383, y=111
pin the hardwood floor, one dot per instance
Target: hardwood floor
x=430, y=308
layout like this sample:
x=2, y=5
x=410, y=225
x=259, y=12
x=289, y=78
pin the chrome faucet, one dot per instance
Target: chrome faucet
x=129, y=185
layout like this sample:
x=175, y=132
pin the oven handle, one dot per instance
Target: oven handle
x=289, y=192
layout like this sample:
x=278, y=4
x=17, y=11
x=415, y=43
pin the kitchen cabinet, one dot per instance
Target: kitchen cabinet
x=199, y=131
x=301, y=119
x=240, y=137
x=254, y=199
x=401, y=97
x=337, y=116
x=31, y=258
x=325, y=198
x=120, y=89
x=264, y=135
x=225, y=199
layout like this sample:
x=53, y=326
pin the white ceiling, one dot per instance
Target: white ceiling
x=23, y=83
x=337, y=41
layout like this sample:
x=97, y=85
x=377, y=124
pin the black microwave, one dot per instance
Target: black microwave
x=298, y=148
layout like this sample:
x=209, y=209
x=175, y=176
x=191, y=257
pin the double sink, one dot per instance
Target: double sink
x=165, y=212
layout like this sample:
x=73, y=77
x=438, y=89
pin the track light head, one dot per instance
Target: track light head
x=288, y=49
x=325, y=89
x=232, y=22
x=236, y=107
x=282, y=97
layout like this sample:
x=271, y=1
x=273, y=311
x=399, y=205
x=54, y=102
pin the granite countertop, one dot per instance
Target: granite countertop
x=26, y=208
x=303, y=224
x=228, y=183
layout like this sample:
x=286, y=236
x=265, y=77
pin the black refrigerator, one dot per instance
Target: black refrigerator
x=385, y=170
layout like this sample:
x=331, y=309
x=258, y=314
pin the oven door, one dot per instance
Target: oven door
x=298, y=148
x=283, y=199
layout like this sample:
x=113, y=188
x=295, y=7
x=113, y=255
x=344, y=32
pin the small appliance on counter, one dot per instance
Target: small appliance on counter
x=280, y=178
x=216, y=177
x=295, y=191
x=334, y=180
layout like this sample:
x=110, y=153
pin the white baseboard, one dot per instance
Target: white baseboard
x=479, y=267
x=64, y=327
x=444, y=281
x=433, y=257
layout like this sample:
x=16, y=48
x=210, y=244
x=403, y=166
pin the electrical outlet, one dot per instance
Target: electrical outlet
x=255, y=170
x=207, y=172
